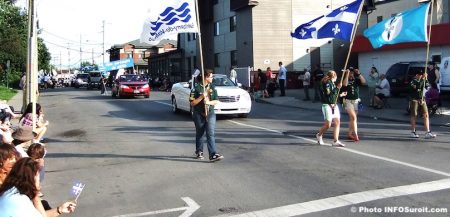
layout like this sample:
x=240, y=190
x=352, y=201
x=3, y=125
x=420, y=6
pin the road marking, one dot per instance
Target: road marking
x=163, y=103
x=353, y=151
x=348, y=199
x=191, y=207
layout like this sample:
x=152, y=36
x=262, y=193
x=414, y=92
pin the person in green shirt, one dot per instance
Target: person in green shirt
x=329, y=94
x=203, y=98
x=372, y=82
x=351, y=84
x=417, y=90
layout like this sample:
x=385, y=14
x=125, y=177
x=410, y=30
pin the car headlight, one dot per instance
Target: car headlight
x=245, y=96
x=79, y=80
x=123, y=86
x=145, y=86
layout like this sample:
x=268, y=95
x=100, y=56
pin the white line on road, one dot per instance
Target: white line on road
x=163, y=103
x=353, y=151
x=349, y=199
x=191, y=207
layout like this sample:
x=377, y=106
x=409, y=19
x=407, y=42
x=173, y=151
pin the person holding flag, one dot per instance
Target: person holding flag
x=203, y=98
x=330, y=110
x=417, y=90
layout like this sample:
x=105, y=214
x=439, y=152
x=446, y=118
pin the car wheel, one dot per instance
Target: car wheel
x=174, y=105
x=147, y=96
x=245, y=115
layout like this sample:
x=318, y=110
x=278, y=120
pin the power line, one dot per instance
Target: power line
x=60, y=37
x=66, y=47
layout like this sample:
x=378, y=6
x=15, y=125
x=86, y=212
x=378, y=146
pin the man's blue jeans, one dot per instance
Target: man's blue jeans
x=202, y=126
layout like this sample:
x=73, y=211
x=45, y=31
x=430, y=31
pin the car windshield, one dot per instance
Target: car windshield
x=82, y=75
x=223, y=81
x=95, y=74
x=131, y=78
x=397, y=70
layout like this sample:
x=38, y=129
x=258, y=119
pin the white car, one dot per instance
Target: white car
x=233, y=99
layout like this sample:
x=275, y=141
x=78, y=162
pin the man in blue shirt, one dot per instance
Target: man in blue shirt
x=282, y=78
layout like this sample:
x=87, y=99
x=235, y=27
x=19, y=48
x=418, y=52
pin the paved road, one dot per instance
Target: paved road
x=136, y=157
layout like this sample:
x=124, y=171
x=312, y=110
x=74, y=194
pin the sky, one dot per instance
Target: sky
x=64, y=22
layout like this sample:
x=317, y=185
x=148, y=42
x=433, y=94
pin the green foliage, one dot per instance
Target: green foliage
x=6, y=93
x=14, y=42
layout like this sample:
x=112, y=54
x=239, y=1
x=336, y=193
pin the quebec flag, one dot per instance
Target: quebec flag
x=407, y=26
x=169, y=17
x=337, y=24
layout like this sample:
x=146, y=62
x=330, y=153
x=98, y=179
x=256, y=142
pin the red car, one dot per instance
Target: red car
x=130, y=85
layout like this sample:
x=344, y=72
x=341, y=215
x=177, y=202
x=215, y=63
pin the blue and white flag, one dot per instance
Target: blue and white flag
x=76, y=190
x=337, y=24
x=407, y=26
x=169, y=17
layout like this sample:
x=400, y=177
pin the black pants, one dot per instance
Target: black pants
x=281, y=81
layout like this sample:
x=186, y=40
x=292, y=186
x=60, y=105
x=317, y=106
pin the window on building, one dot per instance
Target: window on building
x=194, y=36
x=233, y=58
x=215, y=2
x=216, y=28
x=232, y=23
x=194, y=62
x=188, y=36
x=216, y=60
x=379, y=19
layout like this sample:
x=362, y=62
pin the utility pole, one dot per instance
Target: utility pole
x=93, y=56
x=68, y=52
x=30, y=95
x=103, y=44
x=81, y=54
x=60, y=62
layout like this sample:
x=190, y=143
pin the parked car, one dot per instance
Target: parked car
x=400, y=75
x=95, y=79
x=444, y=69
x=233, y=99
x=130, y=85
x=81, y=80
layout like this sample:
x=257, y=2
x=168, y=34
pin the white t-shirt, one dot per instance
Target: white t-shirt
x=12, y=203
x=385, y=88
x=306, y=78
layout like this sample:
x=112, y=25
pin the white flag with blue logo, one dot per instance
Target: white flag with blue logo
x=169, y=17
x=337, y=24
x=407, y=26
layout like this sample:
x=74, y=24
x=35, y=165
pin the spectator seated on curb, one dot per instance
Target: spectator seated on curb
x=27, y=120
x=6, y=113
x=37, y=152
x=23, y=138
x=8, y=156
x=19, y=193
x=382, y=93
x=6, y=134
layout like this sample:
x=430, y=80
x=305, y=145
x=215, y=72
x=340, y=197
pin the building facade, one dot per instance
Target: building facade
x=251, y=33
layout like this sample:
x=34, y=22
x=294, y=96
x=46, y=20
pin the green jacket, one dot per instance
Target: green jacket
x=417, y=88
x=198, y=91
x=329, y=92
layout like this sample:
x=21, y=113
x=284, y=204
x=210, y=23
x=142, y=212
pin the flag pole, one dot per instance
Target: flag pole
x=429, y=41
x=202, y=69
x=351, y=45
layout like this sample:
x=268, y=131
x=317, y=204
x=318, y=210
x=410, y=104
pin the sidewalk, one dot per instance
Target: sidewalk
x=397, y=111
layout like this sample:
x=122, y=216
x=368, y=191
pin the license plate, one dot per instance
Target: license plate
x=394, y=80
x=136, y=91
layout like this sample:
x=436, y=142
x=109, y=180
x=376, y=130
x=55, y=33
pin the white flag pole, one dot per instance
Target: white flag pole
x=428, y=44
x=351, y=45
x=202, y=69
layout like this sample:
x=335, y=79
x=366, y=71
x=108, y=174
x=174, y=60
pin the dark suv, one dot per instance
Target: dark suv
x=95, y=79
x=400, y=74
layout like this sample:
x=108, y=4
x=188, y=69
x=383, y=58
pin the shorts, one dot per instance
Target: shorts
x=414, y=105
x=351, y=104
x=381, y=96
x=328, y=114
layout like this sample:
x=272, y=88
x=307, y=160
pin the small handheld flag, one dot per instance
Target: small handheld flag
x=76, y=190
x=337, y=24
x=407, y=26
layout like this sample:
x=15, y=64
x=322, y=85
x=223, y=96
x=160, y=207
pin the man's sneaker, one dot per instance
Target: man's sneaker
x=430, y=135
x=216, y=157
x=415, y=135
x=319, y=139
x=338, y=144
x=199, y=156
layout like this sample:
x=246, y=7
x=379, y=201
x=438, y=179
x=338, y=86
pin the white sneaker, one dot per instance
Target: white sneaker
x=414, y=135
x=319, y=139
x=430, y=135
x=338, y=144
